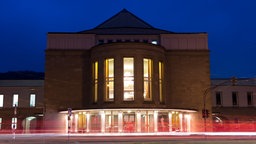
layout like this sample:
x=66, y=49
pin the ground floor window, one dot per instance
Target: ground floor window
x=129, y=121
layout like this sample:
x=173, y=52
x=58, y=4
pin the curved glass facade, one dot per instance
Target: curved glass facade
x=129, y=120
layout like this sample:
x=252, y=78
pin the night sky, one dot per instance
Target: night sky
x=230, y=24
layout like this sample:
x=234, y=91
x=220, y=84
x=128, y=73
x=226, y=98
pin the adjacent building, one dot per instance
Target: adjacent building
x=124, y=75
x=234, y=104
x=21, y=105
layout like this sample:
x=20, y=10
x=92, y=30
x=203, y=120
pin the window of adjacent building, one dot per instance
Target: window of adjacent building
x=218, y=96
x=234, y=98
x=15, y=100
x=1, y=100
x=109, y=79
x=0, y=123
x=250, y=98
x=128, y=76
x=14, y=123
x=161, y=76
x=32, y=102
x=100, y=41
x=145, y=41
x=95, y=81
x=118, y=40
x=147, y=70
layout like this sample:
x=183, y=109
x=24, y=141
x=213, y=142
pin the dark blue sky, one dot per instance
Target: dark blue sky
x=230, y=25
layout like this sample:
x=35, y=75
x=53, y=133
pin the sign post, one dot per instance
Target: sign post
x=69, y=118
x=14, y=122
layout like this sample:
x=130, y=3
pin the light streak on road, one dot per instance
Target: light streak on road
x=183, y=137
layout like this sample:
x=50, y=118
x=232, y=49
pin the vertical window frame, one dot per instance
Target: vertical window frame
x=160, y=80
x=14, y=123
x=32, y=100
x=218, y=96
x=128, y=79
x=235, y=101
x=147, y=79
x=1, y=100
x=15, y=100
x=95, y=73
x=109, y=79
x=249, y=98
x=1, y=121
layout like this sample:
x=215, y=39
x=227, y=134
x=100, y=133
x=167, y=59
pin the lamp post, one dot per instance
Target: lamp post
x=205, y=112
x=69, y=118
x=14, y=122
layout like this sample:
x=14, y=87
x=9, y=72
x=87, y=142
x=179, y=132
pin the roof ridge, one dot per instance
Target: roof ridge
x=124, y=18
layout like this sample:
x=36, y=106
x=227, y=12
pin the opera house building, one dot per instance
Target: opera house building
x=125, y=76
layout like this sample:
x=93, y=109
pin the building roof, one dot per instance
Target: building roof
x=237, y=82
x=21, y=83
x=124, y=19
x=22, y=75
x=125, y=22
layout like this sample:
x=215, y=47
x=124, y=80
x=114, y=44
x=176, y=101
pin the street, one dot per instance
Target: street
x=195, y=138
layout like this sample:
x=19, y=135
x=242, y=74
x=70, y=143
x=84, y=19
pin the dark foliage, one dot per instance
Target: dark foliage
x=22, y=75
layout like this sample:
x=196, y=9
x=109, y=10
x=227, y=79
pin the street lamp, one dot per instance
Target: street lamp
x=205, y=112
x=14, y=121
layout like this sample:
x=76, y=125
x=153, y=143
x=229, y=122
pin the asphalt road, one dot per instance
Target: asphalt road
x=85, y=139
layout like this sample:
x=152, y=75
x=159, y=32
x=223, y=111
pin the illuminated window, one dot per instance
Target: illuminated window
x=175, y=121
x=0, y=123
x=1, y=100
x=81, y=121
x=15, y=100
x=128, y=75
x=14, y=123
x=161, y=76
x=109, y=79
x=32, y=102
x=129, y=121
x=147, y=67
x=95, y=81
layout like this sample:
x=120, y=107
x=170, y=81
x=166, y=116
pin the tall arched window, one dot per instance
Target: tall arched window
x=95, y=81
x=147, y=74
x=161, y=77
x=109, y=79
x=128, y=76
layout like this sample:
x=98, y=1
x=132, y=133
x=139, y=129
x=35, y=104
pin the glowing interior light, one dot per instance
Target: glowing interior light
x=128, y=67
x=127, y=74
x=154, y=42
